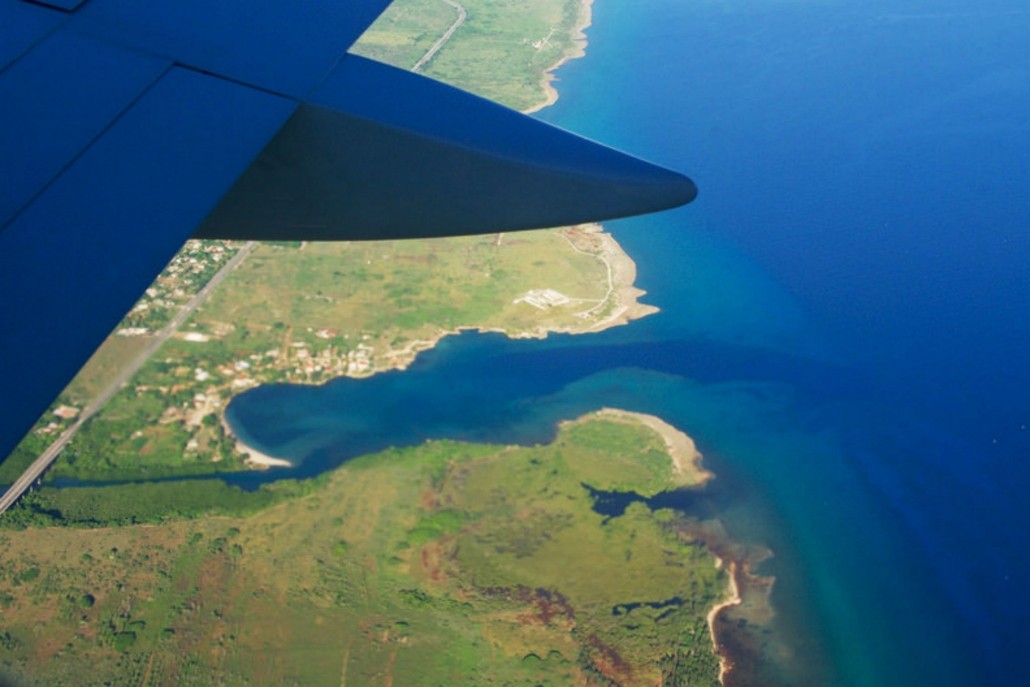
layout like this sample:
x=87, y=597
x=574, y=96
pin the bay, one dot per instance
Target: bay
x=844, y=318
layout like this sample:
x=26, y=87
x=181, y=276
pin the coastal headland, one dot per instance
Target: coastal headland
x=737, y=623
x=446, y=562
x=682, y=450
x=577, y=50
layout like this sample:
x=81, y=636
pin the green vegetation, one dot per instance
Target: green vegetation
x=383, y=295
x=500, y=52
x=444, y=564
x=405, y=32
x=638, y=464
x=156, y=502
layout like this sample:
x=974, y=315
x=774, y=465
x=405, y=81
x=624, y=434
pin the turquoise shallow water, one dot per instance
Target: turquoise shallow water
x=863, y=169
x=844, y=317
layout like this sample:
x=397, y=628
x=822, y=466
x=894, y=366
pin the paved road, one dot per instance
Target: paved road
x=462, y=15
x=39, y=466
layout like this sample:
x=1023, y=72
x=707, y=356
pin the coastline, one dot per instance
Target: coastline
x=256, y=459
x=261, y=461
x=578, y=49
x=738, y=623
x=740, y=626
x=734, y=599
x=686, y=459
x=624, y=296
x=734, y=642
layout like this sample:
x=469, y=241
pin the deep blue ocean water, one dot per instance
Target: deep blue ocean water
x=845, y=318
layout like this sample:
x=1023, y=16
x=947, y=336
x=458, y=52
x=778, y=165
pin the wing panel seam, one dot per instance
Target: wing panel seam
x=75, y=158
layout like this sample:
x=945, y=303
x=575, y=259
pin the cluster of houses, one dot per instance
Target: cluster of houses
x=174, y=286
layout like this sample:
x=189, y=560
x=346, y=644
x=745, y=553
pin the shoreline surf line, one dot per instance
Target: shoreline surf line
x=739, y=624
x=576, y=51
x=682, y=450
x=725, y=661
x=254, y=457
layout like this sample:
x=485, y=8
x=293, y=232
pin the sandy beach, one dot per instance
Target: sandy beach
x=255, y=458
x=733, y=599
x=739, y=624
x=261, y=460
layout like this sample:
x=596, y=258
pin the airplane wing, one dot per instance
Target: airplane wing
x=130, y=126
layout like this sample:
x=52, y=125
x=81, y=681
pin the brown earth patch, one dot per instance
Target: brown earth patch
x=608, y=661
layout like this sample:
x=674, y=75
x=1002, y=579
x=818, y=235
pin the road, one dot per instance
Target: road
x=462, y=16
x=40, y=465
x=45, y=459
x=607, y=265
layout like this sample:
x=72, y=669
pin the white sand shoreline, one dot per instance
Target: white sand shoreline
x=255, y=458
x=259, y=459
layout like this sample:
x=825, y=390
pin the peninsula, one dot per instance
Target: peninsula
x=446, y=563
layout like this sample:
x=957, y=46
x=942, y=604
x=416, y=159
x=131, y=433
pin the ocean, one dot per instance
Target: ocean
x=844, y=325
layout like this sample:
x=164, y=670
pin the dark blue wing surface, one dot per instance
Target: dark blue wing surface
x=75, y=260
x=378, y=152
x=285, y=46
x=130, y=125
x=55, y=107
x=23, y=25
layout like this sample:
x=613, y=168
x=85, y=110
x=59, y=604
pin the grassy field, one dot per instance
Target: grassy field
x=403, y=290
x=446, y=564
x=405, y=32
x=501, y=51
